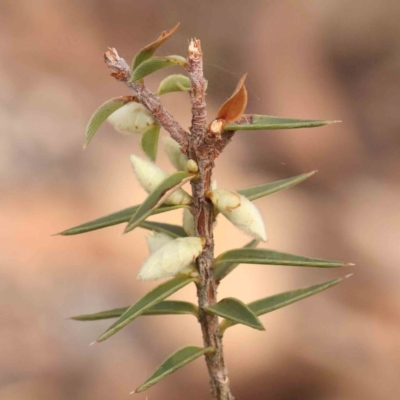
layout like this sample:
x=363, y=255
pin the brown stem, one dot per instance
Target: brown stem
x=203, y=150
x=121, y=71
x=203, y=146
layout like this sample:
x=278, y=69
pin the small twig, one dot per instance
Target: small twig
x=202, y=148
x=122, y=72
x=197, y=91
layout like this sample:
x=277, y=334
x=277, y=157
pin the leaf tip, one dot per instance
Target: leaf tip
x=333, y=122
x=349, y=264
x=95, y=342
x=133, y=392
x=126, y=230
x=73, y=318
x=347, y=276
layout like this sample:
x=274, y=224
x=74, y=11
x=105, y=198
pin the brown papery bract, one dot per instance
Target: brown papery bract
x=234, y=107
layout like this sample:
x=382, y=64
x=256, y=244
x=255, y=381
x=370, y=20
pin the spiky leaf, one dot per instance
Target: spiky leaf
x=154, y=64
x=270, y=257
x=157, y=197
x=256, y=192
x=235, y=310
x=168, y=307
x=102, y=113
x=174, y=83
x=116, y=218
x=149, y=142
x=226, y=268
x=251, y=122
x=177, y=360
x=252, y=193
x=149, y=300
x=147, y=52
x=268, y=304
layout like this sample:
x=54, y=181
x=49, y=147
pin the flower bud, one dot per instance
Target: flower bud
x=131, y=118
x=150, y=176
x=176, y=157
x=192, y=166
x=172, y=258
x=240, y=211
x=188, y=223
x=158, y=240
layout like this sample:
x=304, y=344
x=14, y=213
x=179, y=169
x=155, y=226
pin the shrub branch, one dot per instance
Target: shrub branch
x=202, y=149
x=203, y=146
x=122, y=72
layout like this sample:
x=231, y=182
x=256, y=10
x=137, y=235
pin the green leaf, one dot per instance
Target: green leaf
x=147, y=52
x=270, y=257
x=252, y=193
x=226, y=268
x=251, y=122
x=172, y=230
x=255, y=192
x=173, y=307
x=157, y=197
x=149, y=141
x=175, y=361
x=235, y=310
x=149, y=300
x=174, y=83
x=268, y=304
x=168, y=307
x=154, y=64
x=116, y=218
x=102, y=113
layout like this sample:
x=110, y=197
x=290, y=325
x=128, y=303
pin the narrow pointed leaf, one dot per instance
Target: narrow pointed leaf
x=235, y=310
x=270, y=257
x=173, y=307
x=177, y=360
x=174, y=83
x=234, y=107
x=149, y=300
x=157, y=197
x=154, y=64
x=116, y=218
x=168, y=307
x=256, y=192
x=251, y=122
x=223, y=269
x=147, y=52
x=252, y=193
x=102, y=113
x=149, y=142
x=172, y=230
x=268, y=304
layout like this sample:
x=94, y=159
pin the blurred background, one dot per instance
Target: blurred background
x=323, y=59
